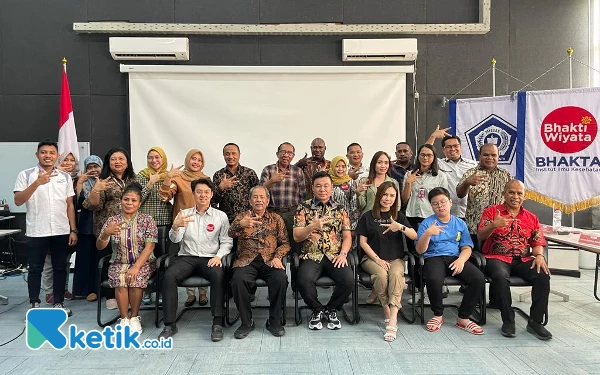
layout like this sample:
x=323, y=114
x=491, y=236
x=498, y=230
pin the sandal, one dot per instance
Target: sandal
x=471, y=327
x=434, y=324
x=390, y=336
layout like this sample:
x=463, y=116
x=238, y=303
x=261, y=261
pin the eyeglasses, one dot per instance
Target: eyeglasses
x=440, y=203
x=448, y=147
x=284, y=152
x=426, y=155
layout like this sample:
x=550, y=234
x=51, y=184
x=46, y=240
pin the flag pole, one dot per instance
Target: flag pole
x=570, y=53
x=493, y=76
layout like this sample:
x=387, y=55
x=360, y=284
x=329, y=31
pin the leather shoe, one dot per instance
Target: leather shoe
x=538, y=330
x=217, y=333
x=508, y=330
x=168, y=331
x=243, y=331
x=189, y=302
x=276, y=331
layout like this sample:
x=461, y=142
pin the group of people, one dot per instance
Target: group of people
x=319, y=209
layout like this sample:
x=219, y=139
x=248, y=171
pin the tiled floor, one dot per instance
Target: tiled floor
x=358, y=349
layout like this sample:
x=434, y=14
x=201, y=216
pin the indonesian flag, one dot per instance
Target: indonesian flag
x=67, y=135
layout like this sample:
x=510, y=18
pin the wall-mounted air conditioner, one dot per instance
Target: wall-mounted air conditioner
x=379, y=49
x=125, y=48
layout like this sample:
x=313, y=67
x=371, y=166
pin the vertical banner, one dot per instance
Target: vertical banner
x=487, y=120
x=561, y=150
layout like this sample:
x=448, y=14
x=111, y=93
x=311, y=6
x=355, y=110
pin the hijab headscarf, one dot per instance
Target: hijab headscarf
x=75, y=171
x=162, y=170
x=187, y=173
x=339, y=180
x=90, y=182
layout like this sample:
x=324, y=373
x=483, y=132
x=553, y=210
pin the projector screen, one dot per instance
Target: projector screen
x=183, y=107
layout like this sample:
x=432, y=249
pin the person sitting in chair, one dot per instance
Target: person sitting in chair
x=323, y=228
x=262, y=244
x=202, y=231
x=514, y=245
x=444, y=241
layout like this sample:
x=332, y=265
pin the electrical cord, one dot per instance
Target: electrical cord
x=11, y=340
x=23, y=331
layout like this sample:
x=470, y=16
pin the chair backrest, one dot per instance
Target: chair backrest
x=163, y=243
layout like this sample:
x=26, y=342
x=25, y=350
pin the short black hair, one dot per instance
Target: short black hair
x=448, y=137
x=133, y=187
x=404, y=143
x=320, y=174
x=352, y=144
x=286, y=143
x=204, y=181
x=438, y=191
x=47, y=142
x=231, y=144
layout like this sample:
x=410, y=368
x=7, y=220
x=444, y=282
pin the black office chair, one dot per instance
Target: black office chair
x=198, y=282
x=480, y=309
x=160, y=252
x=260, y=283
x=325, y=281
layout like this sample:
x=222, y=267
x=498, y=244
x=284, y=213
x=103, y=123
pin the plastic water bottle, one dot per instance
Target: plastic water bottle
x=556, y=220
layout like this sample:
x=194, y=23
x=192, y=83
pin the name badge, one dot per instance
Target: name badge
x=210, y=228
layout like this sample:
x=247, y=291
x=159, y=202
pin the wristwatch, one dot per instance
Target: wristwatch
x=74, y=231
x=344, y=254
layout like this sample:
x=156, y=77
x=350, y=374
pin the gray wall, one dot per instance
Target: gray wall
x=525, y=38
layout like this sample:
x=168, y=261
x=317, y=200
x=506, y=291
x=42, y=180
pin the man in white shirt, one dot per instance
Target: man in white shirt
x=202, y=232
x=50, y=221
x=454, y=165
x=356, y=168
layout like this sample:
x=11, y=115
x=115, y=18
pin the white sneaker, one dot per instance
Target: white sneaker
x=111, y=304
x=135, y=322
x=123, y=321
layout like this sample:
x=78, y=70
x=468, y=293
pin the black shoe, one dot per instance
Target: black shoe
x=276, y=331
x=203, y=300
x=190, y=301
x=334, y=322
x=168, y=331
x=217, y=333
x=243, y=331
x=508, y=330
x=538, y=330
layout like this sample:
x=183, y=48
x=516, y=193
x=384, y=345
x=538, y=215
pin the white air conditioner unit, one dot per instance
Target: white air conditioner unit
x=123, y=48
x=379, y=49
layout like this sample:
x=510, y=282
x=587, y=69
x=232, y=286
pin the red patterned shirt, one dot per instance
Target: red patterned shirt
x=514, y=240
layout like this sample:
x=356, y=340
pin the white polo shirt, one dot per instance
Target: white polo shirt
x=454, y=172
x=47, y=207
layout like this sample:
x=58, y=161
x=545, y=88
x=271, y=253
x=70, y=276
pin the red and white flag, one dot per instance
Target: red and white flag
x=67, y=134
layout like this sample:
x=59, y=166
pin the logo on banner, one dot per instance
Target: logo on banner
x=569, y=129
x=493, y=129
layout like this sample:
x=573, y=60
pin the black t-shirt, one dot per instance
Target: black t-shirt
x=387, y=246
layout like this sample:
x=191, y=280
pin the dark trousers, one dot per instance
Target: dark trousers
x=85, y=279
x=434, y=272
x=182, y=267
x=243, y=284
x=288, y=219
x=38, y=248
x=308, y=273
x=500, y=273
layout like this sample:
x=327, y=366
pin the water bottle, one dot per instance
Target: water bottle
x=556, y=220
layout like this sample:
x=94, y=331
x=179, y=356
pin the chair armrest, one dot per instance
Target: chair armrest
x=161, y=261
x=411, y=259
x=479, y=259
x=227, y=260
x=296, y=260
x=352, y=258
x=103, y=261
x=421, y=260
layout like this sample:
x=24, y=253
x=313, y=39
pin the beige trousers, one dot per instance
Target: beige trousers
x=387, y=284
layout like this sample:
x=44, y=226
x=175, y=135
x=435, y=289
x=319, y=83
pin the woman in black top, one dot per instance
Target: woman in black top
x=380, y=234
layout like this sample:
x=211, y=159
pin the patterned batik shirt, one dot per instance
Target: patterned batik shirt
x=161, y=212
x=485, y=194
x=269, y=239
x=236, y=199
x=345, y=195
x=328, y=241
x=514, y=240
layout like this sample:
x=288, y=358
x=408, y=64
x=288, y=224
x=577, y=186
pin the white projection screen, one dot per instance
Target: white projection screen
x=183, y=107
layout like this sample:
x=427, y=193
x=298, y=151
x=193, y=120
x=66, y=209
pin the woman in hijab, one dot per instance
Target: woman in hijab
x=344, y=189
x=151, y=178
x=85, y=278
x=177, y=186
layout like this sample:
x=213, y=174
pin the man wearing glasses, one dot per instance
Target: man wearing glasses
x=454, y=165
